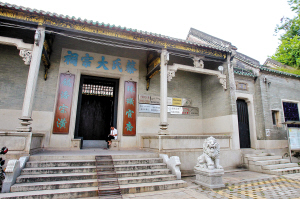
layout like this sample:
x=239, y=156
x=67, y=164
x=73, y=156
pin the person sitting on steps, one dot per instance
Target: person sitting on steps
x=112, y=136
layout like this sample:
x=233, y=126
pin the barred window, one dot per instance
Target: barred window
x=291, y=113
x=98, y=90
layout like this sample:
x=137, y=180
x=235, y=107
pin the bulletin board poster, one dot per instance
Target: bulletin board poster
x=129, y=116
x=64, y=103
x=294, y=136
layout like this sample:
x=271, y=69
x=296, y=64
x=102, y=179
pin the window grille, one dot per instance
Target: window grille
x=291, y=113
x=98, y=90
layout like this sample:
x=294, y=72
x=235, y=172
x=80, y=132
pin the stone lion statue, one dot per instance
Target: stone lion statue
x=210, y=157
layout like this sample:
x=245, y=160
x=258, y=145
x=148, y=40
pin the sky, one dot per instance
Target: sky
x=248, y=25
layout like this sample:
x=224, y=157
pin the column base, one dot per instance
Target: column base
x=163, y=129
x=25, y=124
x=24, y=129
x=163, y=132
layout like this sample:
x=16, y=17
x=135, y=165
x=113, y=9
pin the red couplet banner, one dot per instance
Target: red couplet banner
x=63, y=106
x=129, y=117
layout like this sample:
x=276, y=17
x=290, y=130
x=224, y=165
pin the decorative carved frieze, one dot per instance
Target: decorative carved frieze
x=26, y=56
x=198, y=63
x=172, y=69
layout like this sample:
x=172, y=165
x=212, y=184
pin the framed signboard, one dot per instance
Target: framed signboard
x=64, y=102
x=129, y=116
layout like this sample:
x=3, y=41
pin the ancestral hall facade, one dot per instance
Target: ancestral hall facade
x=65, y=81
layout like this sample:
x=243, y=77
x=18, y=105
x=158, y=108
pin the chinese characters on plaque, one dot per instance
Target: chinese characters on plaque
x=176, y=106
x=99, y=62
x=63, y=106
x=129, y=121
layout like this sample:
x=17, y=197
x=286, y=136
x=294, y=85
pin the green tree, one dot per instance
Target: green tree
x=288, y=52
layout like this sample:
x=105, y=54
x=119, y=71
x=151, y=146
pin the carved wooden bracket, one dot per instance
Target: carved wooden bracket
x=173, y=69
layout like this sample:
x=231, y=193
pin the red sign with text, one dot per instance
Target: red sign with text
x=129, y=118
x=64, y=103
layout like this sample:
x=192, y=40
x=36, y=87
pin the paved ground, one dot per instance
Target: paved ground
x=239, y=184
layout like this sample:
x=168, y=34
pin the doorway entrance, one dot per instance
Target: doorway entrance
x=243, y=119
x=96, y=110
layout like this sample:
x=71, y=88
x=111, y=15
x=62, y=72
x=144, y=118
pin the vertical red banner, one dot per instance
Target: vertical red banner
x=129, y=118
x=63, y=106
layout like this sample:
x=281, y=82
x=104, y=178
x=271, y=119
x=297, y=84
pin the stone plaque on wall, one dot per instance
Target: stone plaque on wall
x=144, y=99
x=99, y=62
x=186, y=111
x=155, y=100
x=241, y=86
x=194, y=111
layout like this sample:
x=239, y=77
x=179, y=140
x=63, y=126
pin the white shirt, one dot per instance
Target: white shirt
x=114, y=133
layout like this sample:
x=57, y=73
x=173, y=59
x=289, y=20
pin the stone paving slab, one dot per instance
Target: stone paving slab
x=239, y=185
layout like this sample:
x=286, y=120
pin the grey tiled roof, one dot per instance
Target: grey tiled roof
x=264, y=68
x=244, y=72
x=109, y=26
x=275, y=63
x=211, y=40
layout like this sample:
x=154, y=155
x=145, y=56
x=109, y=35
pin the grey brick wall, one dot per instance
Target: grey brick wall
x=13, y=78
x=268, y=97
x=280, y=88
x=216, y=100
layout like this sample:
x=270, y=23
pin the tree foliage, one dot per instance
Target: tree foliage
x=288, y=52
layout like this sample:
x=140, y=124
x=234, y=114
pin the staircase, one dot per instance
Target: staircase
x=270, y=163
x=76, y=176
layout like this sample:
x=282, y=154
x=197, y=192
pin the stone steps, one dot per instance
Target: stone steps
x=35, y=186
x=270, y=164
x=65, y=163
x=268, y=157
x=89, y=157
x=46, y=177
x=285, y=171
x=93, y=191
x=93, y=175
x=279, y=166
x=88, y=169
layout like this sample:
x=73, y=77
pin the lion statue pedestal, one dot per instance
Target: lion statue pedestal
x=208, y=170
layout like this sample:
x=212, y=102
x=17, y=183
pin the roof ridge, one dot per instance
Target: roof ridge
x=262, y=68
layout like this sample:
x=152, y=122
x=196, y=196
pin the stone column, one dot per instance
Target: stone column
x=32, y=80
x=233, y=110
x=164, y=58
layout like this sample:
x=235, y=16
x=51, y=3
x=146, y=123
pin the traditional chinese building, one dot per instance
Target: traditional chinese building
x=65, y=81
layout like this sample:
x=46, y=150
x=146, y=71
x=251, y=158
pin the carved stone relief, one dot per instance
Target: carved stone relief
x=26, y=56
